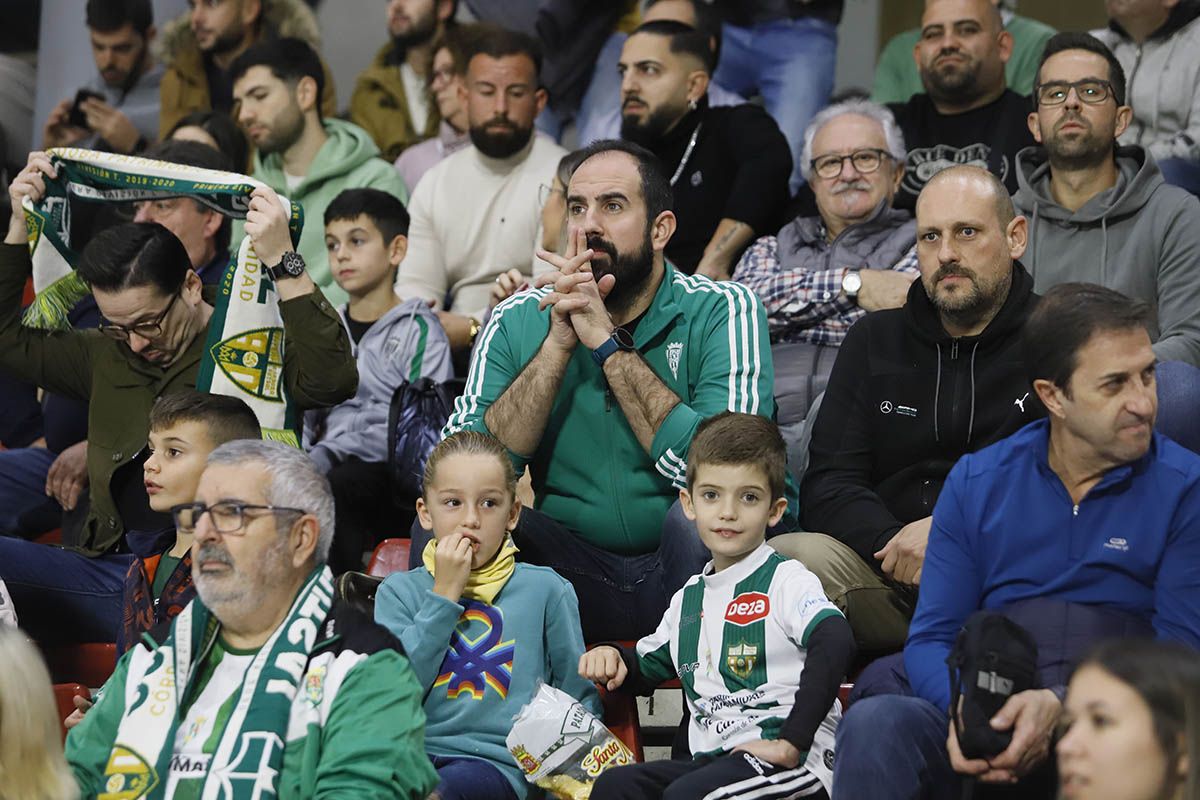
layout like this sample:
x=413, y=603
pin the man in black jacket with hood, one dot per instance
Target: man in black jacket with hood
x=913, y=389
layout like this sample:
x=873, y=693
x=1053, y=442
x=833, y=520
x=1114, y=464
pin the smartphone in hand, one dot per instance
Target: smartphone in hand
x=77, y=117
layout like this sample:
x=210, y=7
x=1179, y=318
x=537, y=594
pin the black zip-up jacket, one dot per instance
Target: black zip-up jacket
x=905, y=400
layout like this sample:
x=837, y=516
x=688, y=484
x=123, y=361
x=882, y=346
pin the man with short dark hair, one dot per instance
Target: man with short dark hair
x=911, y=391
x=278, y=84
x=199, y=47
x=291, y=693
x=1102, y=212
x=729, y=166
x=390, y=100
x=461, y=241
x=598, y=383
x=1079, y=527
x=121, y=115
x=1158, y=44
x=967, y=115
x=156, y=314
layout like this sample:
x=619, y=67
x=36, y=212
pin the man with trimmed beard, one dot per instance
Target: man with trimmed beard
x=1100, y=212
x=199, y=47
x=911, y=391
x=264, y=685
x=597, y=382
x=475, y=214
x=729, y=165
x=308, y=159
x=390, y=99
x=966, y=115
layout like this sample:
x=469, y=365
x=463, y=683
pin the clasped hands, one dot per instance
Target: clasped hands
x=576, y=303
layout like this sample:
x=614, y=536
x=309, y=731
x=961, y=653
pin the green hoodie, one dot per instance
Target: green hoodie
x=349, y=159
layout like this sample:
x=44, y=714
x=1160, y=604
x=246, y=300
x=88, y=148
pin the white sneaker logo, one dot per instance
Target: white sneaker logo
x=1020, y=402
x=674, y=351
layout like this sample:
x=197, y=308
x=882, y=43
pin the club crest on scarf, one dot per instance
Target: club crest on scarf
x=254, y=362
x=477, y=657
x=129, y=776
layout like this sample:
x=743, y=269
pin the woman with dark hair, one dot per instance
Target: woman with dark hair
x=1131, y=726
x=218, y=130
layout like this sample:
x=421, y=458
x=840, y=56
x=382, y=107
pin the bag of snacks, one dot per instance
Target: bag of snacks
x=561, y=746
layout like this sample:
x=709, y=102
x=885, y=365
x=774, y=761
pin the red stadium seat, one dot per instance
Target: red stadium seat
x=64, y=694
x=89, y=664
x=50, y=537
x=391, y=555
x=621, y=717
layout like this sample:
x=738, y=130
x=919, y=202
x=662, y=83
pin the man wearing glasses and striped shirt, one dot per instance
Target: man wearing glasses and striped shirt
x=1102, y=213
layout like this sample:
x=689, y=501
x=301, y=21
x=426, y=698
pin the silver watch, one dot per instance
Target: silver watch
x=852, y=283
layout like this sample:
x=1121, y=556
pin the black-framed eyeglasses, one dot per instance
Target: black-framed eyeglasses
x=866, y=161
x=228, y=516
x=146, y=330
x=1092, y=91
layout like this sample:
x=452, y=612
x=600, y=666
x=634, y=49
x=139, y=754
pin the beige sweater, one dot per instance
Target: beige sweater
x=474, y=217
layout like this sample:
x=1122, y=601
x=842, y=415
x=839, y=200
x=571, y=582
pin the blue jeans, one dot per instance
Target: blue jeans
x=791, y=63
x=1182, y=173
x=62, y=596
x=25, y=510
x=620, y=597
x=470, y=779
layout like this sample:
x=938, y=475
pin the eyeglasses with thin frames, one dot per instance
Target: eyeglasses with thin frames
x=544, y=192
x=228, y=516
x=145, y=330
x=866, y=161
x=1092, y=91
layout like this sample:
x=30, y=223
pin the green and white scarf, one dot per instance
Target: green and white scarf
x=249, y=755
x=244, y=350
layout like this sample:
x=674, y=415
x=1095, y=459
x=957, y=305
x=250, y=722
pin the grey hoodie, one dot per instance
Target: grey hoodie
x=1141, y=238
x=406, y=343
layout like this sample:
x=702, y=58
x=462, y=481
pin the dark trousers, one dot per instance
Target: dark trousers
x=364, y=512
x=728, y=777
x=470, y=779
x=620, y=597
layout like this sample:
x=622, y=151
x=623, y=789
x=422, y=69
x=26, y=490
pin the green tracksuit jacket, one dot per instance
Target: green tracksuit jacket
x=706, y=341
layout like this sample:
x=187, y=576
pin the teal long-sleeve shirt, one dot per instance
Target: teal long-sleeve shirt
x=478, y=664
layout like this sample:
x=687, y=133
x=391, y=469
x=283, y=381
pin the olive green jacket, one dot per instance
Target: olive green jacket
x=120, y=387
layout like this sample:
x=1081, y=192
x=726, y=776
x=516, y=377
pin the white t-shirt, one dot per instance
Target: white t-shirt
x=418, y=100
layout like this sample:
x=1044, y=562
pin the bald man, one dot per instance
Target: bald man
x=966, y=115
x=913, y=389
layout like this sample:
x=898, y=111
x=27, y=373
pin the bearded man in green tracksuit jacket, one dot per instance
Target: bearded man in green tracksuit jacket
x=598, y=382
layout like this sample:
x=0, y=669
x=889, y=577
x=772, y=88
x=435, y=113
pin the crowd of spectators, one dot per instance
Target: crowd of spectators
x=757, y=388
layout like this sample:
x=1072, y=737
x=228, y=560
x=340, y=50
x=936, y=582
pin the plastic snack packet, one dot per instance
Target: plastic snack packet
x=561, y=745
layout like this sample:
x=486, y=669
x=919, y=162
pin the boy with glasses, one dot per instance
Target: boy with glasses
x=1099, y=212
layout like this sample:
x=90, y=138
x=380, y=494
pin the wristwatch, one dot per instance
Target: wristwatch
x=852, y=283
x=620, y=339
x=475, y=327
x=290, y=266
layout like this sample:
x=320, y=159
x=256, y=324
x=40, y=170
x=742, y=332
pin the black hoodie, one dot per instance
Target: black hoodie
x=905, y=400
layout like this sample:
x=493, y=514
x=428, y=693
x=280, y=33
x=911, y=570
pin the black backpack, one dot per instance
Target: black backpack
x=992, y=659
x=416, y=416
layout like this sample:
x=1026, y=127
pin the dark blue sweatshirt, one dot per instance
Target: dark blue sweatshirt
x=1005, y=530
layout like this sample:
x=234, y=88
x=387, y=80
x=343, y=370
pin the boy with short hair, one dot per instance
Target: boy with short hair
x=394, y=340
x=184, y=428
x=758, y=647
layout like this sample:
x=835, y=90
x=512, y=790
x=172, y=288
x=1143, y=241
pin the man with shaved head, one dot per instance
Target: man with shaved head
x=912, y=390
x=966, y=115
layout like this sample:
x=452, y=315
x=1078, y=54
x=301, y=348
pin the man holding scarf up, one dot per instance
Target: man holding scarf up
x=155, y=320
x=263, y=686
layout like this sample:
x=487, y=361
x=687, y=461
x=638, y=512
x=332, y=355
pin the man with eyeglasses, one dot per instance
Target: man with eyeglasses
x=819, y=275
x=1101, y=212
x=264, y=685
x=967, y=115
x=155, y=314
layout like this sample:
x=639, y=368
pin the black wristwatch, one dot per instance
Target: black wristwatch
x=620, y=339
x=290, y=266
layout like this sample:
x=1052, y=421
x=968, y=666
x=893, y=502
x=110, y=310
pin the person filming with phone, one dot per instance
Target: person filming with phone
x=118, y=110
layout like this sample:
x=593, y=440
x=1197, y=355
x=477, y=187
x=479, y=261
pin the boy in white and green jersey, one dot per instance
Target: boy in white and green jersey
x=758, y=648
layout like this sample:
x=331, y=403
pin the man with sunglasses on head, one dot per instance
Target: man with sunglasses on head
x=1102, y=213
x=155, y=314
x=819, y=275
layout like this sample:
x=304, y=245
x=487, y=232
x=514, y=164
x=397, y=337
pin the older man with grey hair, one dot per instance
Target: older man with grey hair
x=821, y=274
x=264, y=685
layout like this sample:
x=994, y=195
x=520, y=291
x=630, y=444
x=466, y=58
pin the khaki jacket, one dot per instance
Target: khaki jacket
x=120, y=387
x=379, y=106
